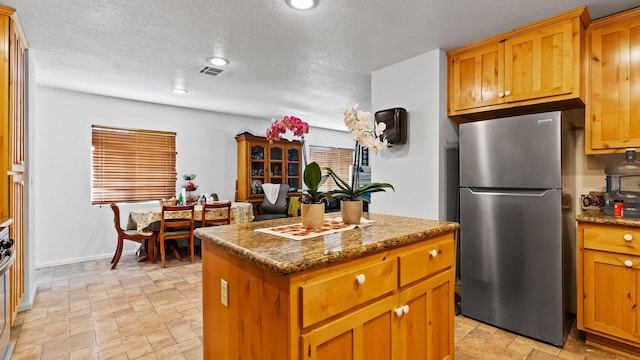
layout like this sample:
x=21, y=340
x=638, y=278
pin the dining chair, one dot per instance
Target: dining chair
x=173, y=229
x=132, y=235
x=217, y=220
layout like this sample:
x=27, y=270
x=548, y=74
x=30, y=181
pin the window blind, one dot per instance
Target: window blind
x=131, y=165
x=339, y=160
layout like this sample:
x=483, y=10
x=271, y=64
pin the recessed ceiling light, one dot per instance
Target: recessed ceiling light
x=179, y=91
x=302, y=4
x=218, y=61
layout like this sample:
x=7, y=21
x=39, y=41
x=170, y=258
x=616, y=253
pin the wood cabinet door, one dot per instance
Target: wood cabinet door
x=426, y=327
x=613, y=117
x=16, y=107
x=367, y=333
x=539, y=63
x=293, y=171
x=476, y=77
x=611, y=283
x=276, y=163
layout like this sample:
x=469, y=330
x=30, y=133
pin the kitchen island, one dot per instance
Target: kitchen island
x=383, y=290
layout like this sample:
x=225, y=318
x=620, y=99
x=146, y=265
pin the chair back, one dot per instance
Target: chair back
x=116, y=218
x=177, y=228
x=280, y=207
x=216, y=219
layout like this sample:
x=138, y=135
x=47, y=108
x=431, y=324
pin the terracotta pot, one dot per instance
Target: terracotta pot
x=312, y=215
x=351, y=211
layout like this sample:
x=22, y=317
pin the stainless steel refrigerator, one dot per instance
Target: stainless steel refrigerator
x=514, y=265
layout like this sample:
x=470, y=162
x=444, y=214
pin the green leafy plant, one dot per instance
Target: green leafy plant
x=313, y=178
x=352, y=192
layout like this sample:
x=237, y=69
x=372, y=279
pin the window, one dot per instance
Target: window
x=132, y=165
x=339, y=160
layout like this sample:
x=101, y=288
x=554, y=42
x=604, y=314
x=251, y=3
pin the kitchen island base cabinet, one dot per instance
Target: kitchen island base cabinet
x=380, y=306
x=415, y=325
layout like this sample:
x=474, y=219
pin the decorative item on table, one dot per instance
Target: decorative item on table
x=170, y=202
x=188, y=189
x=293, y=124
x=312, y=207
x=368, y=135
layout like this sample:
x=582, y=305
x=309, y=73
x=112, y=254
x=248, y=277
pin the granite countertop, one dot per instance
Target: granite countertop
x=599, y=217
x=285, y=256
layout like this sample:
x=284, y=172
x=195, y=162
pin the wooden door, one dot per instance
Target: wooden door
x=613, y=117
x=539, y=63
x=364, y=334
x=427, y=323
x=610, y=293
x=476, y=77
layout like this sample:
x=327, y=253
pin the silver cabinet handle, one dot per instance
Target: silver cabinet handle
x=628, y=237
x=360, y=278
x=507, y=93
x=628, y=263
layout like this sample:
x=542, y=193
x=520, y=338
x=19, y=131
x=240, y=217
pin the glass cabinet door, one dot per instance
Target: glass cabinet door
x=293, y=169
x=276, y=164
x=258, y=174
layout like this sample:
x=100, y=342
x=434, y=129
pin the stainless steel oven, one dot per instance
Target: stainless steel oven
x=7, y=257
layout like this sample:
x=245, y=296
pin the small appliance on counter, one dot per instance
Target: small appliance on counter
x=623, y=186
x=7, y=257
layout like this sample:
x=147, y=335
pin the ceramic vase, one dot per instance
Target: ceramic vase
x=351, y=211
x=312, y=215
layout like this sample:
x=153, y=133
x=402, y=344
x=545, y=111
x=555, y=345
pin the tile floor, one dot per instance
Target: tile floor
x=142, y=311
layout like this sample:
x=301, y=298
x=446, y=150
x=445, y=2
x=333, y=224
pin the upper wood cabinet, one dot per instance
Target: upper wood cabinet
x=613, y=98
x=537, y=64
x=261, y=161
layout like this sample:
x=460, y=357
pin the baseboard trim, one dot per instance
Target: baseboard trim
x=79, y=260
x=27, y=304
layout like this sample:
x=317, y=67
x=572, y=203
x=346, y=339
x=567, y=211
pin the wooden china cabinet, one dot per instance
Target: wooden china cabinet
x=13, y=47
x=262, y=161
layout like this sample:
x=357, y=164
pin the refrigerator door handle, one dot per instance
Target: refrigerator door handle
x=537, y=193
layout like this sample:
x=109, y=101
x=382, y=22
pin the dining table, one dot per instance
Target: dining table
x=143, y=219
x=148, y=219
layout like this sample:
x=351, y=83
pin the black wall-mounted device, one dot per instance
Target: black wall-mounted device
x=396, y=121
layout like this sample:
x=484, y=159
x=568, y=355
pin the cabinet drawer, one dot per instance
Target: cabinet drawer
x=618, y=240
x=424, y=262
x=327, y=296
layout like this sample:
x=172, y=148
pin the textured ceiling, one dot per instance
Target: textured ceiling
x=310, y=64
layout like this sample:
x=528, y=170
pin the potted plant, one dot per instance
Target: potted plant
x=312, y=206
x=368, y=135
x=352, y=195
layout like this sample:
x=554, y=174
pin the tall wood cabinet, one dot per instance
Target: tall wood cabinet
x=537, y=64
x=13, y=46
x=262, y=161
x=613, y=102
x=609, y=286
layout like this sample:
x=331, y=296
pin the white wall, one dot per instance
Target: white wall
x=418, y=169
x=66, y=228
